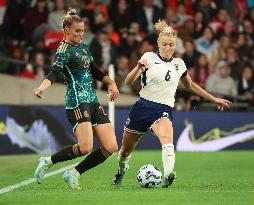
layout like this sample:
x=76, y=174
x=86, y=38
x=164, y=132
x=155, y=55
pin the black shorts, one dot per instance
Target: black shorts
x=87, y=112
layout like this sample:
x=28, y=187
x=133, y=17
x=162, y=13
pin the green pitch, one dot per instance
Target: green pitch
x=202, y=178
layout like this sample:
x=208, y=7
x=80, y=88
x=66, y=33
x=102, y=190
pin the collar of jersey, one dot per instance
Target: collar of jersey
x=70, y=43
x=164, y=59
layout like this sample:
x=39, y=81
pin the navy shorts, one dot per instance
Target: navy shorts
x=144, y=114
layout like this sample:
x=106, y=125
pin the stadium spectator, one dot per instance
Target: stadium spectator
x=199, y=20
x=147, y=15
x=206, y=43
x=233, y=62
x=13, y=19
x=113, y=35
x=140, y=36
x=18, y=58
x=190, y=55
x=248, y=30
x=103, y=49
x=89, y=35
x=55, y=17
x=201, y=70
x=122, y=16
x=129, y=44
x=34, y=17
x=246, y=84
x=219, y=52
x=122, y=69
x=221, y=83
x=251, y=56
x=241, y=47
x=207, y=7
x=187, y=30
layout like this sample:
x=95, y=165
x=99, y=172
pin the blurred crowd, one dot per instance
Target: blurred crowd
x=215, y=40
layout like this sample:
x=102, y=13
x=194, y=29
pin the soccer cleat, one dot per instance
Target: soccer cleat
x=72, y=178
x=117, y=180
x=167, y=181
x=44, y=164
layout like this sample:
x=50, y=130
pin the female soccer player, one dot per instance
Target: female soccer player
x=75, y=63
x=160, y=75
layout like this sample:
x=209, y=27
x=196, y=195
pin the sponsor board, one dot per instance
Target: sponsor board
x=45, y=129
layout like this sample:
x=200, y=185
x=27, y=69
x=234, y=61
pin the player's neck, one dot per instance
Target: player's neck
x=164, y=58
x=70, y=42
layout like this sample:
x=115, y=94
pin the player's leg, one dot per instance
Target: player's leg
x=164, y=131
x=104, y=131
x=84, y=138
x=129, y=142
x=108, y=146
x=84, y=135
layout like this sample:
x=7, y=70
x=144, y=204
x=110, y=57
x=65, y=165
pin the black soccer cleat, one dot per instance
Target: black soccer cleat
x=117, y=180
x=167, y=181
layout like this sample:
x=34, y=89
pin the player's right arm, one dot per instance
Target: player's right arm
x=47, y=82
x=136, y=72
x=62, y=57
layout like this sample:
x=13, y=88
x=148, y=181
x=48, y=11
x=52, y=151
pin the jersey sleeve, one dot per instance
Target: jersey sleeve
x=61, y=59
x=145, y=55
x=57, y=66
x=96, y=73
x=183, y=68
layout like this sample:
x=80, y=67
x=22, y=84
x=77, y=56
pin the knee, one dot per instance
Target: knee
x=111, y=148
x=85, y=148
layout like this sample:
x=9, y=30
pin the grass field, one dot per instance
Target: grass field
x=202, y=178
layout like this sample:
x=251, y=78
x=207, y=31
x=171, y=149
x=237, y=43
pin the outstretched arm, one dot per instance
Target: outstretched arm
x=99, y=75
x=196, y=89
x=47, y=82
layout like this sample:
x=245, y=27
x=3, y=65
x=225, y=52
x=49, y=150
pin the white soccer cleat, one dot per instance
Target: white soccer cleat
x=44, y=164
x=72, y=178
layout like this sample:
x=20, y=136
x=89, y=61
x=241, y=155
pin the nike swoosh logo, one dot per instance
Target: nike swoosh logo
x=184, y=142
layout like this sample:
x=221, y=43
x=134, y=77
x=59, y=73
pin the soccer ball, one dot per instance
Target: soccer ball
x=149, y=176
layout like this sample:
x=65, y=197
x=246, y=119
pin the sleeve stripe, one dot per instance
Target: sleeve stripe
x=62, y=48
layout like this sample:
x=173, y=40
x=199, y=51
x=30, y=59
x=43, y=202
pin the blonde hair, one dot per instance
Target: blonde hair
x=70, y=17
x=164, y=29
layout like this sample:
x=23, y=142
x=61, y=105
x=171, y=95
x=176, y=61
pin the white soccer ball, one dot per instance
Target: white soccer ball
x=149, y=176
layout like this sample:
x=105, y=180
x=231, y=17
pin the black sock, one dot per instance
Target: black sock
x=67, y=153
x=95, y=158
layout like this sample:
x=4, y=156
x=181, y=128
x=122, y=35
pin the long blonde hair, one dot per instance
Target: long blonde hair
x=163, y=28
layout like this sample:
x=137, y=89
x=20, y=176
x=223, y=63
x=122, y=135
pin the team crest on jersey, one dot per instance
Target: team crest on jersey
x=102, y=110
x=86, y=115
x=165, y=114
x=177, y=67
x=127, y=121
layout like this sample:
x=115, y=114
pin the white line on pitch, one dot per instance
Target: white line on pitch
x=31, y=180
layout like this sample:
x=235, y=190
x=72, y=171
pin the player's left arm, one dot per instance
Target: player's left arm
x=99, y=75
x=197, y=90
